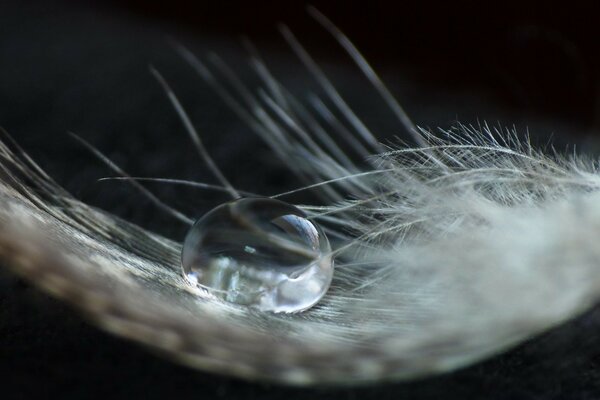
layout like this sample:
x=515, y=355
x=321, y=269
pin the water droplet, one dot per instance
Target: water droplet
x=262, y=253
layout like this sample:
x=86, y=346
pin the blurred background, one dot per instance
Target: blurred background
x=82, y=67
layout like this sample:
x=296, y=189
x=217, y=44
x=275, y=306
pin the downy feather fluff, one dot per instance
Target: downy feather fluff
x=446, y=253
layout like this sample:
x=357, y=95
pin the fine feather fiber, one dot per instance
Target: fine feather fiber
x=447, y=251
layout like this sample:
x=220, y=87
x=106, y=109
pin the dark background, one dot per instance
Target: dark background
x=83, y=67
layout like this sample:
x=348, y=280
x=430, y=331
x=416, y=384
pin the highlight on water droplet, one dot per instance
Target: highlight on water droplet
x=262, y=253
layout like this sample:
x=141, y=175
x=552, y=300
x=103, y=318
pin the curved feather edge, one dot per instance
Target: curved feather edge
x=445, y=254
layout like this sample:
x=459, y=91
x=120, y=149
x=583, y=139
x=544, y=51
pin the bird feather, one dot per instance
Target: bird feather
x=446, y=253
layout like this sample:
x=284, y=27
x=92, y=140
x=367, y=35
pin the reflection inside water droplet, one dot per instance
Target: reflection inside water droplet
x=262, y=253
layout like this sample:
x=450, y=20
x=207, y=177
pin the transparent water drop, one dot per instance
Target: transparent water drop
x=262, y=253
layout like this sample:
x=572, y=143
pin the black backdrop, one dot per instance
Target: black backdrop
x=83, y=67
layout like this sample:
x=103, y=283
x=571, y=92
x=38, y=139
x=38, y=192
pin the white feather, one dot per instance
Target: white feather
x=445, y=253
